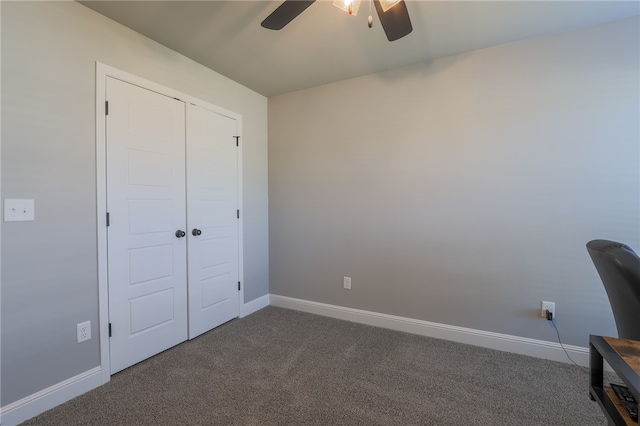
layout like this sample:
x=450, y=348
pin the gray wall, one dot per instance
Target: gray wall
x=463, y=191
x=49, y=266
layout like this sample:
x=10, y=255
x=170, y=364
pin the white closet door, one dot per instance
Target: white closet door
x=146, y=205
x=212, y=203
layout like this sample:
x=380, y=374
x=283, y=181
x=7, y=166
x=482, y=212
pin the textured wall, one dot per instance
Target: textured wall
x=49, y=266
x=463, y=191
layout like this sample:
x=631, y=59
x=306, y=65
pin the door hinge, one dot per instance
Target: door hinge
x=109, y=329
x=108, y=218
x=237, y=140
x=238, y=214
x=238, y=285
x=106, y=107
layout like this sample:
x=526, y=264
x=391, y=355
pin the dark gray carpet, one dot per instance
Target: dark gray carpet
x=283, y=367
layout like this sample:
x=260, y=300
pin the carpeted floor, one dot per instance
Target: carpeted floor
x=283, y=367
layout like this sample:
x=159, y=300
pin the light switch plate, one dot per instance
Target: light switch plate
x=19, y=210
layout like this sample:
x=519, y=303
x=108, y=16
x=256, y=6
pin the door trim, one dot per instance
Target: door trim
x=102, y=72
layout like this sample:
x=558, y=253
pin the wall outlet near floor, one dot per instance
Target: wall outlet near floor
x=548, y=306
x=347, y=283
x=84, y=331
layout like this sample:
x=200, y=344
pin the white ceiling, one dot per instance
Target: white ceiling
x=324, y=44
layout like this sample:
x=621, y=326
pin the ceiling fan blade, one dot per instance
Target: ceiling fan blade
x=285, y=13
x=395, y=21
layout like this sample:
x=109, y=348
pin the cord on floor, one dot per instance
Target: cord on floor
x=562, y=346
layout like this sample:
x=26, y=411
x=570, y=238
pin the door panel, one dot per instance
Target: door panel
x=149, y=169
x=146, y=202
x=151, y=310
x=150, y=263
x=212, y=194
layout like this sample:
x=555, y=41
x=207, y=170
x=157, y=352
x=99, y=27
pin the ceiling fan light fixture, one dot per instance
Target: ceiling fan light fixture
x=349, y=6
x=388, y=4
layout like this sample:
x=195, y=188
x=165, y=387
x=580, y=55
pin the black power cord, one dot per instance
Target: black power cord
x=550, y=318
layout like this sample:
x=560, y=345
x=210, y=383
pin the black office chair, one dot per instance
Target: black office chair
x=619, y=268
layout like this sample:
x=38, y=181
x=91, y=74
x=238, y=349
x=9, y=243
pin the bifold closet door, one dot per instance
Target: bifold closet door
x=213, y=225
x=147, y=223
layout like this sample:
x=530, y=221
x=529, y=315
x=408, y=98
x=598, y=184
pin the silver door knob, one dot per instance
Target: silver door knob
x=180, y=233
x=195, y=232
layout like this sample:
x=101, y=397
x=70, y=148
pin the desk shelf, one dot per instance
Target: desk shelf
x=624, y=358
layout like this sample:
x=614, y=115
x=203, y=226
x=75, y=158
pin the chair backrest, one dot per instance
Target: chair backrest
x=619, y=268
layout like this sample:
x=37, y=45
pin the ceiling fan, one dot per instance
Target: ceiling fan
x=393, y=14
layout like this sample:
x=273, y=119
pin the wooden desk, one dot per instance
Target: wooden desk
x=624, y=358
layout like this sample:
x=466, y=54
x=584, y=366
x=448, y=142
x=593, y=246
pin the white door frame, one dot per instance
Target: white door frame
x=102, y=72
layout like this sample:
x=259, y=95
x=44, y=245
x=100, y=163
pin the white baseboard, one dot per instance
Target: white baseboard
x=32, y=405
x=254, y=306
x=46, y=399
x=503, y=342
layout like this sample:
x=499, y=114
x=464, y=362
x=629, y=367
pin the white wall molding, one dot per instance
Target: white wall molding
x=35, y=404
x=503, y=342
x=32, y=405
x=46, y=399
x=254, y=306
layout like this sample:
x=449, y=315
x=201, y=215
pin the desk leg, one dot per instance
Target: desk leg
x=596, y=370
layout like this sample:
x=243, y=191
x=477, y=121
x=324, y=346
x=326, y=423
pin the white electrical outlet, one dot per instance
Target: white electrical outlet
x=548, y=306
x=84, y=331
x=347, y=283
x=18, y=210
